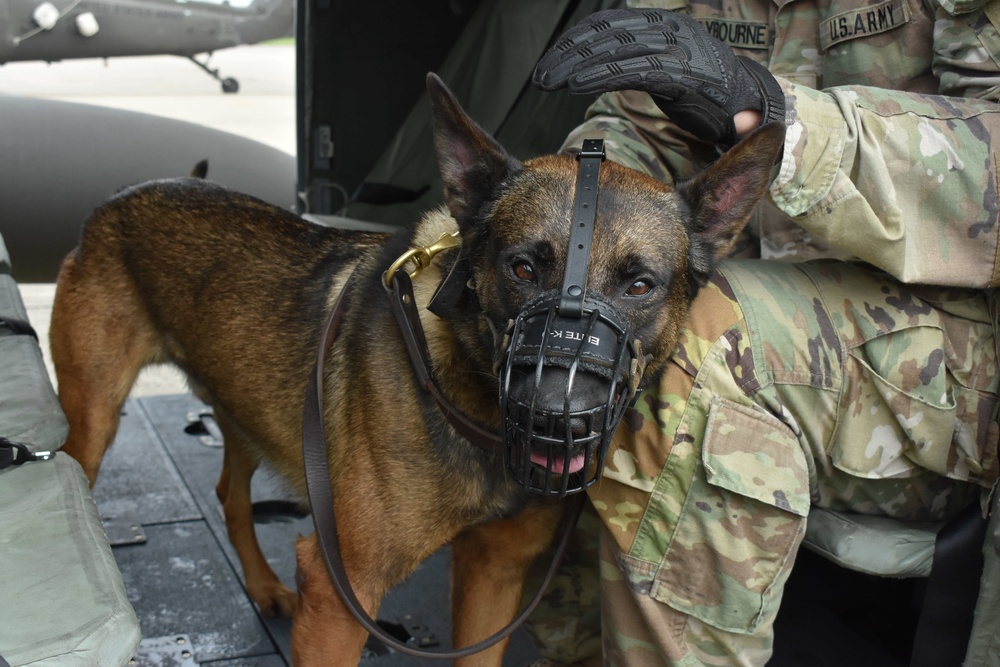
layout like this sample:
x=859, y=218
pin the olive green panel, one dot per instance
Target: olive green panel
x=489, y=70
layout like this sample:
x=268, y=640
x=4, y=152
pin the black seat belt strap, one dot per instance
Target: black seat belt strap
x=950, y=600
x=15, y=453
x=19, y=327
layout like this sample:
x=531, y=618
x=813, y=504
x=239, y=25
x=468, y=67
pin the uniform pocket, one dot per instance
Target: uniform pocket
x=741, y=521
x=898, y=410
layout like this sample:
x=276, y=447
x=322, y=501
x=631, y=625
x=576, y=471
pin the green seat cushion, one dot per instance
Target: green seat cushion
x=64, y=601
x=872, y=544
x=29, y=409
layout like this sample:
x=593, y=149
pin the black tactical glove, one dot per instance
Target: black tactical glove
x=694, y=78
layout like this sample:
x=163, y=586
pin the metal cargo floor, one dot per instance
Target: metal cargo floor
x=156, y=494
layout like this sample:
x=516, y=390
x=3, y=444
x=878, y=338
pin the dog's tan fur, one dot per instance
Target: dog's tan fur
x=235, y=292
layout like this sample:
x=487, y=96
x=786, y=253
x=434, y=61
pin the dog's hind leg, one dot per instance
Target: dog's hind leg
x=489, y=565
x=233, y=491
x=100, y=339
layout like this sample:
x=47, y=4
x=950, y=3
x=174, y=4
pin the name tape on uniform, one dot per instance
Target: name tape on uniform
x=863, y=22
x=739, y=34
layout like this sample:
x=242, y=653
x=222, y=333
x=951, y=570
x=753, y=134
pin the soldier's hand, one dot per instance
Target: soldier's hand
x=694, y=78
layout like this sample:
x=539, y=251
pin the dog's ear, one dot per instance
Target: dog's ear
x=472, y=163
x=723, y=196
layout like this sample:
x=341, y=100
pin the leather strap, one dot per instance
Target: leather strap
x=18, y=326
x=581, y=232
x=320, y=493
x=15, y=453
x=454, y=285
x=946, y=615
x=404, y=308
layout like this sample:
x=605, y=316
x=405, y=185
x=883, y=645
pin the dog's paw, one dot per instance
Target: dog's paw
x=275, y=600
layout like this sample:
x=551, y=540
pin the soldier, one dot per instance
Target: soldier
x=847, y=358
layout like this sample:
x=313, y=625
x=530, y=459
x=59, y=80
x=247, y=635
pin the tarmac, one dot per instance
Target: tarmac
x=173, y=87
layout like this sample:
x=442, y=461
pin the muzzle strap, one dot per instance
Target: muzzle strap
x=581, y=234
x=593, y=341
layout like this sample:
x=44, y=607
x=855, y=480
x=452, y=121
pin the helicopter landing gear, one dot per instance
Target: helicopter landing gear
x=229, y=84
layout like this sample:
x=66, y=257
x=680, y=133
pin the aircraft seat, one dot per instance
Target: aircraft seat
x=62, y=598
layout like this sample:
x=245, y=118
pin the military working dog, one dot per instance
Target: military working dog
x=235, y=292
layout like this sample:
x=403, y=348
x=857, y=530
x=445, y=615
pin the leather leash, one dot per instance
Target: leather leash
x=399, y=289
x=319, y=485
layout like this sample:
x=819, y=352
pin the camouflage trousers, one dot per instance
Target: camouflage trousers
x=819, y=384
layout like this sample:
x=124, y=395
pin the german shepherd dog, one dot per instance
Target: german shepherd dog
x=235, y=292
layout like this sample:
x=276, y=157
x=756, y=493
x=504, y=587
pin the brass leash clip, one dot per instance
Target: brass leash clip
x=421, y=257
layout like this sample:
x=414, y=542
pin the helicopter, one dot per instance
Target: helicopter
x=52, y=30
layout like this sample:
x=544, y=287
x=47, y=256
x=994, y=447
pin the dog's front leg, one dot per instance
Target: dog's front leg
x=324, y=632
x=489, y=566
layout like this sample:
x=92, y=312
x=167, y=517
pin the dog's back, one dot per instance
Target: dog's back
x=186, y=271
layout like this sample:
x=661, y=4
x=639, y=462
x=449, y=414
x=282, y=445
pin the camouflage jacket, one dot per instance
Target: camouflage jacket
x=894, y=131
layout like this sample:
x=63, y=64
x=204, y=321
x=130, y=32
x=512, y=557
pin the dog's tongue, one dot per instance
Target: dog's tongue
x=575, y=463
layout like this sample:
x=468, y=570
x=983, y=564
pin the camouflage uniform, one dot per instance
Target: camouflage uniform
x=811, y=381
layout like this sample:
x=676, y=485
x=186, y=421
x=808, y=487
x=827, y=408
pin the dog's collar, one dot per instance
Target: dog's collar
x=399, y=289
x=452, y=287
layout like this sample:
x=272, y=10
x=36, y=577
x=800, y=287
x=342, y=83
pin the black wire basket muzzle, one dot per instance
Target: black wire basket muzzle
x=563, y=392
x=570, y=366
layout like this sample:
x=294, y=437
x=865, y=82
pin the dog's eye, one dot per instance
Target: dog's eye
x=639, y=288
x=523, y=271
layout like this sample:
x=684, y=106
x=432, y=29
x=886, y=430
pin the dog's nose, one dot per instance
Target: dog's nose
x=549, y=392
x=551, y=425
x=543, y=404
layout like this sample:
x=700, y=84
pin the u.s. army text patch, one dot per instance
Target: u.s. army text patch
x=862, y=22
